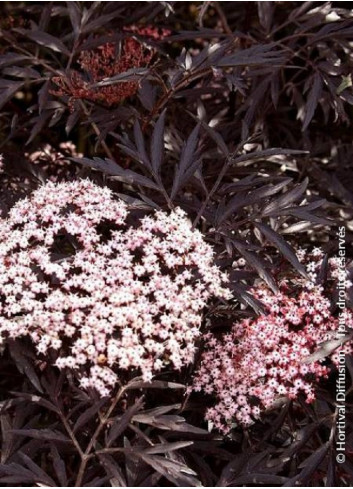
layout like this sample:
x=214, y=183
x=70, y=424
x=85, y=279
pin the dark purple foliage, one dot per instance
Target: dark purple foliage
x=241, y=115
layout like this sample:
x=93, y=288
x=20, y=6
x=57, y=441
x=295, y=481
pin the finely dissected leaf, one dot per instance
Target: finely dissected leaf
x=282, y=246
x=254, y=100
x=298, y=227
x=145, y=203
x=22, y=72
x=209, y=55
x=242, y=467
x=152, y=480
x=7, y=439
x=100, y=21
x=113, y=470
x=128, y=148
x=45, y=16
x=217, y=138
x=189, y=149
x=313, y=99
x=256, y=55
x=170, y=423
x=331, y=479
x=307, y=216
x=111, y=168
x=140, y=144
x=43, y=96
x=189, y=34
x=330, y=182
x=302, y=437
x=311, y=464
x=39, y=473
x=331, y=28
x=47, y=40
x=157, y=144
x=134, y=74
x=97, y=482
x=44, y=434
x=75, y=16
x=72, y=121
x=254, y=262
x=151, y=413
x=23, y=364
x=36, y=400
x=89, y=414
x=40, y=122
x=132, y=464
x=313, y=205
x=265, y=12
x=188, y=162
x=246, y=183
x=243, y=199
x=147, y=94
x=14, y=473
x=122, y=422
x=287, y=198
x=167, y=447
x=59, y=465
x=265, y=153
x=11, y=58
x=177, y=473
x=241, y=293
x=156, y=417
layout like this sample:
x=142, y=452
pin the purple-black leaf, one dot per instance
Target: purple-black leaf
x=313, y=99
x=157, y=144
x=47, y=40
x=282, y=246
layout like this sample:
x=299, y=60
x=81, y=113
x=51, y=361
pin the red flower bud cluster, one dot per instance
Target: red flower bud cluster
x=104, y=62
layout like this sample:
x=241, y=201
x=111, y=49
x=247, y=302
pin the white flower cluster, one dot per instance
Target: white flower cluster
x=75, y=278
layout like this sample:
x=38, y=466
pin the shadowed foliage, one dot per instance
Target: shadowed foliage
x=240, y=114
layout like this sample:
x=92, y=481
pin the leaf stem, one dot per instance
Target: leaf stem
x=86, y=455
x=222, y=18
x=70, y=433
x=169, y=94
x=227, y=163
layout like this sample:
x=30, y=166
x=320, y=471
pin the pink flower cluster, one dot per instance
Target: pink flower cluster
x=104, y=295
x=264, y=359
